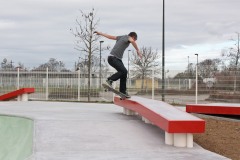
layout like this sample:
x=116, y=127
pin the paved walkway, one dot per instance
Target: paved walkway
x=75, y=131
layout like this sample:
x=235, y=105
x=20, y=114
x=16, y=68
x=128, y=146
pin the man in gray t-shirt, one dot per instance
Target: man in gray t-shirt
x=121, y=44
x=115, y=58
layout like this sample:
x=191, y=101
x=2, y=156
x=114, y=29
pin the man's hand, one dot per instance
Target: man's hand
x=98, y=33
x=139, y=54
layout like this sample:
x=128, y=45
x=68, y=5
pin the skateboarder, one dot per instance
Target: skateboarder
x=115, y=58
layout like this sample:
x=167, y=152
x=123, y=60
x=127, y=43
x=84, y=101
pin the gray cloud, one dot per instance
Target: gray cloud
x=34, y=31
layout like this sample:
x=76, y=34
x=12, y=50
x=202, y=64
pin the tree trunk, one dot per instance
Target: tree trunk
x=142, y=83
x=89, y=76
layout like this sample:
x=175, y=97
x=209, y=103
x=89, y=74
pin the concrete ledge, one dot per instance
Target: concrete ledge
x=178, y=125
x=214, y=108
x=21, y=94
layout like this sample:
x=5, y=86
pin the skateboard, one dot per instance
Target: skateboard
x=108, y=88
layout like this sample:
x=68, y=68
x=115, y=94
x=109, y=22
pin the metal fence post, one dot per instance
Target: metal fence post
x=18, y=78
x=196, y=91
x=47, y=83
x=79, y=85
x=18, y=84
x=196, y=100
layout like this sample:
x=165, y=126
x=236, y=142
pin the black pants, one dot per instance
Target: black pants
x=120, y=74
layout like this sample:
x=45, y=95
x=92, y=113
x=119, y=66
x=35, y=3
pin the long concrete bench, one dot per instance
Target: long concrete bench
x=178, y=125
x=21, y=94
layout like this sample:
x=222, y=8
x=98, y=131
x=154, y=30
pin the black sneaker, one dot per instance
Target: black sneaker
x=109, y=82
x=127, y=95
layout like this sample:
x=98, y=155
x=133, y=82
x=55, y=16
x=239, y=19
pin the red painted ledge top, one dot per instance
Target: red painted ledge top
x=16, y=93
x=163, y=115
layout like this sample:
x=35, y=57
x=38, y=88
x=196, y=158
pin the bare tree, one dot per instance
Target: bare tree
x=234, y=53
x=52, y=65
x=96, y=64
x=86, y=40
x=21, y=66
x=234, y=56
x=7, y=65
x=209, y=67
x=143, y=67
x=82, y=65
x=190, y=71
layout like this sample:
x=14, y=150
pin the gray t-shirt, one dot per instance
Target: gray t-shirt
x=121, y=44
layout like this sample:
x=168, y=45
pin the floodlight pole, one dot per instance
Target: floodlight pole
x=163, y=54
x=196, y=91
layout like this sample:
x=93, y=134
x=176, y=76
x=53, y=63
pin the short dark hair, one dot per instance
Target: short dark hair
x=133, y=34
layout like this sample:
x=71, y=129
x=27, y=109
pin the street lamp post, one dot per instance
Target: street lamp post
x=196, y=99
x=100, y=69
x=163, y=53
x=60, y=66
x=188, y=68
x=188, y=76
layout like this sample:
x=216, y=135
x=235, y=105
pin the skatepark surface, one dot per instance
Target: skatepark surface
x=74, y=131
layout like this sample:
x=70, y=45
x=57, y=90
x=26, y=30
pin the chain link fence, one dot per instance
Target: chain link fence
x=73, y=86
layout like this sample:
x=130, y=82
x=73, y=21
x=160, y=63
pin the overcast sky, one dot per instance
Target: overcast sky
x=32, y=31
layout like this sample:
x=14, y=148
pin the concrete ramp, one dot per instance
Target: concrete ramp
x=16, y=138
x=90, y=131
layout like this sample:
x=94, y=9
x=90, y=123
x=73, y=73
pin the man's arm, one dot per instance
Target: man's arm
x=106, y=35
x=132, y=41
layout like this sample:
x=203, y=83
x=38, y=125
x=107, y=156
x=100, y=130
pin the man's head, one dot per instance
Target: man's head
x=133, y=35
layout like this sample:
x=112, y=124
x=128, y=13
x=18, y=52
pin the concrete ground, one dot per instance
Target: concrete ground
x=74, y=131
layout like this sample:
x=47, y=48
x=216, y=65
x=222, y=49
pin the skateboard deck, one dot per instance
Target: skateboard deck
x=107, y=87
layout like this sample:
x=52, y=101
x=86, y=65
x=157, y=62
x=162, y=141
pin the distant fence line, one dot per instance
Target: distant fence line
x=72, y=86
